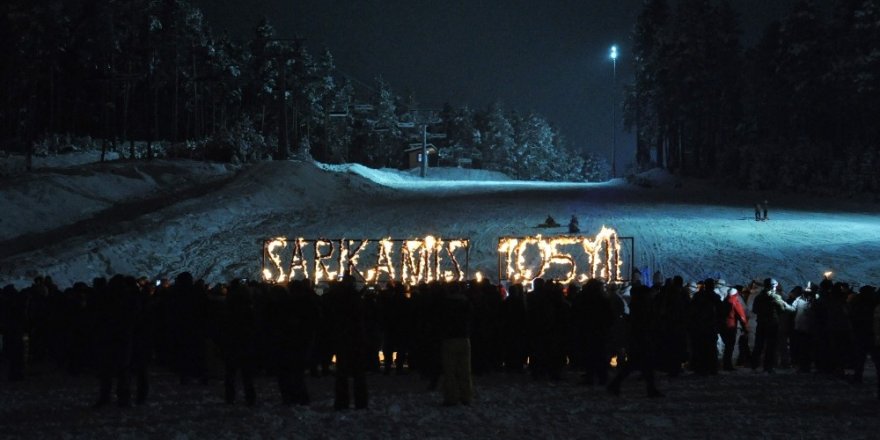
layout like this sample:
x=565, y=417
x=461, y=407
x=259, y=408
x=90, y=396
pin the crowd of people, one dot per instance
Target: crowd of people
x=122, y=327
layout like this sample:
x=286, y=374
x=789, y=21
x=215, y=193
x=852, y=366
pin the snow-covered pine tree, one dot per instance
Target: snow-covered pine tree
x=497, y=141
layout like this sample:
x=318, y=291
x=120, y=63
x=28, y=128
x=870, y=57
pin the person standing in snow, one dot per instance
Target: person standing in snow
x=703, y=312
x=350, y=330
x=768, y=307
x=13, y=324
x=671, y=304
x=801, y=339
x=238, y=335
x=734, y=315
x=457, y=312
x=862, y=308
x=114, y=311
x=833, y=328
x=786, y=327
x=593, y=316
x=640, y=341
x=758, y=212
x=764, y=210
x=515, y=329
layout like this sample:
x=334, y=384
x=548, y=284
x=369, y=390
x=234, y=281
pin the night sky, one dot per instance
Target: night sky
x=546, y=56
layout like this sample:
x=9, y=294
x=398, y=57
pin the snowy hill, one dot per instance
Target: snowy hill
x=159, y=218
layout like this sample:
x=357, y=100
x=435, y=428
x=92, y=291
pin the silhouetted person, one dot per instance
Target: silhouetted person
x=396, y=314
x=671, y=306
x=764, y=208
x=594, y=317
x=703, y=315
x=457, y=312
x=640, y=342
x=143, y=317
x=38, y=320
x=758, y=212
x=14, y=325
x=238, y=330
x=515, y=329
x=78, y=338
x=188, y=327
x=349, y=328
x=862, y=308
x=429, y=330
x=833, y=329
x=114, y=314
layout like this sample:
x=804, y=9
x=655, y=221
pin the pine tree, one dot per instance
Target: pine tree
x=497, y=141
x=643, y=106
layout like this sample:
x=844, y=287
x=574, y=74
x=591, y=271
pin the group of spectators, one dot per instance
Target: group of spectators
x=122, y=327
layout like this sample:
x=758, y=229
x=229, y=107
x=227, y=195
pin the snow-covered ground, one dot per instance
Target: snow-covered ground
x=161, y=217
x=158, y=218
x=738, y=405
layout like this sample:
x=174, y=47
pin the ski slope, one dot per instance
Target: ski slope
x=160, y=218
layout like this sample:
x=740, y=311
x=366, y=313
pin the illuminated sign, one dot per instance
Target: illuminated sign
x=564, y=258
x=423, y=260
x=370, y=261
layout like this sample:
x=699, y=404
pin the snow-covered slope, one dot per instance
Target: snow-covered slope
x=450, y=181
x=52, y=198
x=215, y=230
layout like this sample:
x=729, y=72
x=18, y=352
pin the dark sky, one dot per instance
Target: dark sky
x=549, y=56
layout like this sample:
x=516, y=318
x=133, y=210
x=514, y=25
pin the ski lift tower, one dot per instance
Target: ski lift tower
x=422, y=119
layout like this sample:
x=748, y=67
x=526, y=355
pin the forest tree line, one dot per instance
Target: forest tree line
x=149, y=78
x=797, y=111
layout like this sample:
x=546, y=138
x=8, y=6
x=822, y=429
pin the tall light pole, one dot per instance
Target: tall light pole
x=613, y=56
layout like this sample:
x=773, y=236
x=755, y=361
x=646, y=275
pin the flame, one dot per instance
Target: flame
x=479, y=277
x=420, y=260
x=602, y=253
x=275, y=258
x=383, y=261
x=298, y=261
x=321, y=270
x=411, y=269
x=449, y=276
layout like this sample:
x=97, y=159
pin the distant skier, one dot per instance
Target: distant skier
x=573, y=227
x=764, y=208
x=758, y=212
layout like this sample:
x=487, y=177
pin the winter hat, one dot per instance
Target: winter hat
x=732, y=291
x=721, y=282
